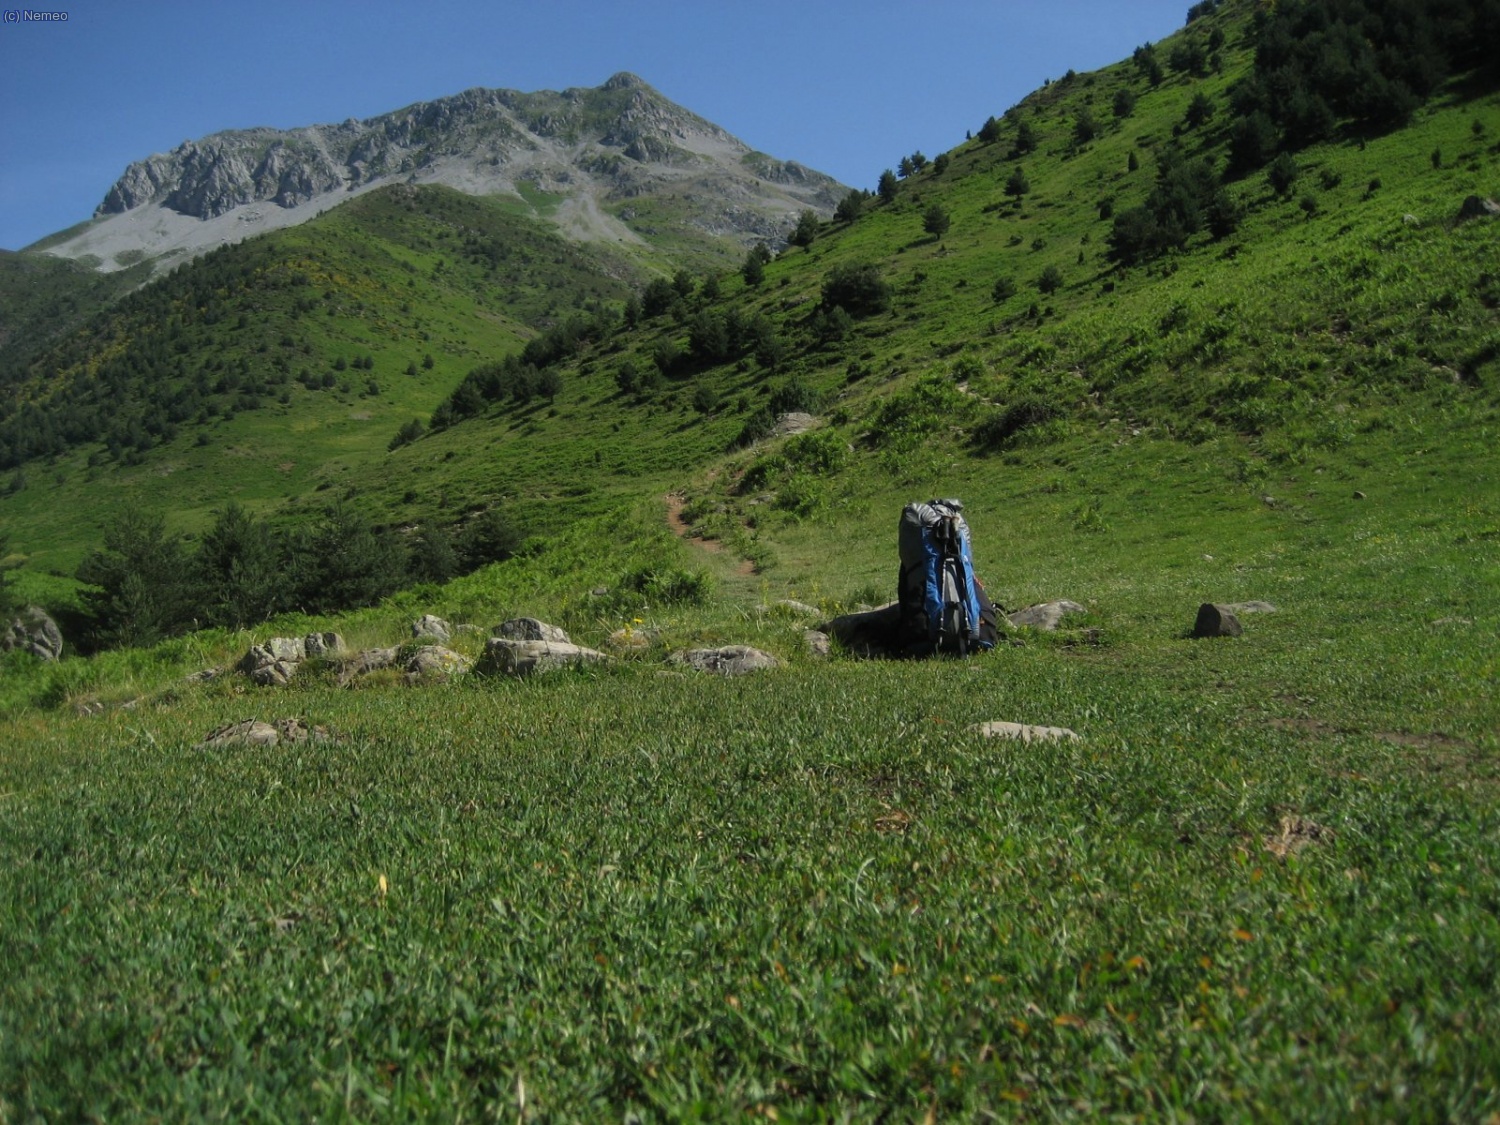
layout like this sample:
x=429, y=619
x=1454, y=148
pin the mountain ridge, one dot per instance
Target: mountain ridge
x=597, y=149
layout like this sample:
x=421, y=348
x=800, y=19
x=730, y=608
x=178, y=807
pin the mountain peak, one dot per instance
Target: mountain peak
x=599, y=149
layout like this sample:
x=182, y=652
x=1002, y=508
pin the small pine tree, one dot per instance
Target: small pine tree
x=936, y=221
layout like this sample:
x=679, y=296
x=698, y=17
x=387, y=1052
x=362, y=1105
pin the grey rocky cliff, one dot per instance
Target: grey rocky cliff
x=605, y=145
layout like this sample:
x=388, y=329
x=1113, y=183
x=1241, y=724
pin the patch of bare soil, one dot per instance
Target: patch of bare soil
x=1294, y=834
x=679, y=527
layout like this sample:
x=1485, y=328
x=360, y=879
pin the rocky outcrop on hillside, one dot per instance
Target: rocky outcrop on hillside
x=598, y=148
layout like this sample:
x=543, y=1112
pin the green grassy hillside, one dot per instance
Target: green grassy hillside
x=1263, y=884
x=271, y=369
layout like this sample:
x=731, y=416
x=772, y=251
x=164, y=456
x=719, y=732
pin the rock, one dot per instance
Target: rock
x=795, y=422
x=322, y=645
x=1026, y=732
x=436, y=664
x=1045, y=617
x=792, y=607
x=818, y=644
x=275, y=661
x=204, y=676
x=274, y=673
x=434, y=628
x=509, y=657
x=871, y=632
x=1476, y=207
x=253, y=732
x=250, y=732
x=290, y=650
x=1216, y=621
x=371, y=660
x=530, y=629
x=730, y=660
x=33, y=631
x=630, y=639
x=1358, y=495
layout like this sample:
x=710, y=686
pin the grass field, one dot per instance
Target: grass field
x=1262, y=886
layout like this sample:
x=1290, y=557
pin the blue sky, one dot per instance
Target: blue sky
x=847, y=88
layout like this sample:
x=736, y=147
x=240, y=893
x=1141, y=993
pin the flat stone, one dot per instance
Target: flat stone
x=818, y=643
x=1216, y=621
x=250, y=732
x=1025, y=732
x=1248, y=607
x=530, y=629
x=729, y=660
x=1045, y=617
x=253, y=732
x=525, y=657
x=791, y=606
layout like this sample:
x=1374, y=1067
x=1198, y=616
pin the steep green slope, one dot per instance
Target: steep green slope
x=1330, y=311
x=270, y=368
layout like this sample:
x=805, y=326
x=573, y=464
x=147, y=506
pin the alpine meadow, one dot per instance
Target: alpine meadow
x=401, y=557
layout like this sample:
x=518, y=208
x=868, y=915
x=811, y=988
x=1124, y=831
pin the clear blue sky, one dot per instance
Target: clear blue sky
x=845, y=87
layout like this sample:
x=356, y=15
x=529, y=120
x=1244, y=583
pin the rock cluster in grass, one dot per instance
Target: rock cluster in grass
x=277, y=660
x=521, y=646
x=33, y=631
x=254, y=732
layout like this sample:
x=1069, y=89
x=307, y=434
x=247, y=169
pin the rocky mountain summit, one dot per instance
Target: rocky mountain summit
x=618, y=163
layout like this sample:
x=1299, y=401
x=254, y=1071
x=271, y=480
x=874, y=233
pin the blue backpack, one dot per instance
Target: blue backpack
x=943, y=606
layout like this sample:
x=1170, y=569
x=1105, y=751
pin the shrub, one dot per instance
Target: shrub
x=858, y=289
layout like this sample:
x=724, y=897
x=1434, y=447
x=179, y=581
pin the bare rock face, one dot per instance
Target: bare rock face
x=730, y=660
x=795, y=422
x=620, y=141
x=507, y=657
x=35, y=632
